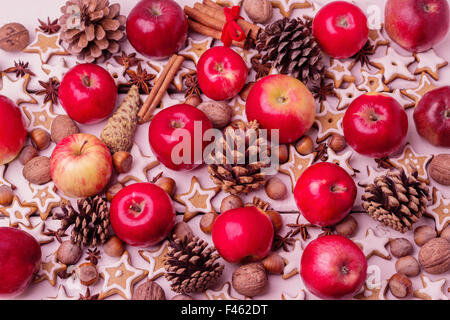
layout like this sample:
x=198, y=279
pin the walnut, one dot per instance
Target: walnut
x=14, y=37
x=62, y=127
x=401, y=247
x=259, y=11
x=218, y=112
x=37, y=170
x=434, y=256
x=440, y=169
x=250, y=279
x=149, y=291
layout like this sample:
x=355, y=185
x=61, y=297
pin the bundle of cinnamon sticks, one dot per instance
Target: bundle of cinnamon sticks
x=208, y=18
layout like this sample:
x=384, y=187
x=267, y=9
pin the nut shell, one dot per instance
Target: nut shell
x=440, y=169
x=337, y=143
x=347, y=227
x=68, y=253
x=149, y=291
x=434, y=256
x=218, y=112
x=400, y=285
x=181, y=230
x=168, y=184
x=275, y=189
x=282, y=152
x=401, y=247
x=305, y=146
x=62, y=127
x=259, y=11
x=250, y=279
x=207, y=222
x=40, y=139
x=113, y=190
x=274, y=263
x=408, y=266
x=28, y=153
x=37, y=170
x=14, y=37
x=423, y=234
x=277, y=220
x=114, y=247
x=87, y=273
x=231, y=202
x=122, y=161
x=6, y=195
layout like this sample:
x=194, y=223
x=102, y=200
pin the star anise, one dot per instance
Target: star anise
x=127, y=61
x=141, y=78
x=87, y=295
x=192, y=86
x=262, y=69
x=93, y=256
x=285, y=242
x=327, y=231
x=301, y=229
x=321, y=152
x=323, y=90
x=58, y=234
x=20, y=69
x=49, y=27
x=363, y=55
x=384, y=163
x=157, y=177
x=50, y=90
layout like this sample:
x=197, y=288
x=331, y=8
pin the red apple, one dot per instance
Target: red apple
x=325, y=194
x=12, y=130
x=142, y=214
x=88, y=93
x=333, y=267
x=432, y=116
x=157, y=28
x=221, y=73
x=283, y=103
x=20, y=260
x=417, y=25
x=176, y=130
x=341, y=29
x=375, y=125
x=81, y=165
x=243, y=234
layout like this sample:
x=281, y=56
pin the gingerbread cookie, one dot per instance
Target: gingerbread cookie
x=342, y=160
x=371, y=175
x=328, y=122
x=374, y=245
x=45, y=198
x=292, y=260
x=195, y=49
x=50, y=267
x=340, y=71
x=301, y=295
x=404, y=101
x=430, y=63
x=286, y=7
x=238, y=108
x=37, y=232
x=410, y=161
x=223, y=293
x=377, y=39
x=61, y=295
x=3, y=180
x=373, y=293
x=247, y=55
x=46, y=45
x=179, y=77
x=347, y=95
x=17, y=90
x=432, y=290
x=372, y=82
x=394, y=66
x=57, y=69
x=156, y=260
x=40, y=117
x=296, y=164
x=141, y=165
x=17, y=212
x=439, y=210
x=425, y=85
x=118, y=73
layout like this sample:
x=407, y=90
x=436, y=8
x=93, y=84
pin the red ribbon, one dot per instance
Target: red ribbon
x=231, y=30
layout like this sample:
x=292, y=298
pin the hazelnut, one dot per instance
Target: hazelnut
x=282, y=152
x=445, y=234
x=113, y=190
x=246, y=90
x=218, y=112
x=62, y=127
x=434, y=256
x=440, y=169
x=40, y=139
x=423, y=234
x=347, y=227
x=114, y=247
x=194, y=100
x=6, y=195
x=250, y=279
x=400, y=285
x=87, y=273
x=276, y=189
x=14, y=37
x=68, y=253
x=400, y=247
x=207, y=221
x=407, y=265
x=28, y=153
x=182, y=297
x=337, y=143
x=37, y=170
x=259, y=11
x=168, y=184
x=122, y=161
x=305, y=146
x=149, y=291
x=273, y=263
x=277, y=220
x=181, y=230
x=231, y=202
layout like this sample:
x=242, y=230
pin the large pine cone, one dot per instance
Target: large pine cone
x=92, y=29
x=290, y=45
x=239, y=168
x=396, y=199
x=191, y=265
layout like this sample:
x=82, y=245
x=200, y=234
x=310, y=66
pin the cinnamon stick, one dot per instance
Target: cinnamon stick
x=210, y=32
x=212, y=4
x=204, y=19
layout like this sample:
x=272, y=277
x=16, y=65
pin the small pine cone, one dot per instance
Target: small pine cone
x=396, y=200
x=92, y=29
x=191, y=266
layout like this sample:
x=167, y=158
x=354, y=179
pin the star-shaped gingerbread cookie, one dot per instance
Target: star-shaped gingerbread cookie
x=394, y=66
x=410, y=160
x=156, y=259
x=17, y=213
x=40, y=117
x=373, y=245
x=45, y=198
x=195, y=49
x=340, y=71
x=50, y=267
x=425, y=85
x=328, y=122
x=439, y=210
x=141, y=165
x=432, y=290
x=296, y=165
x=17, y=90
x=430, y=63
x=46, y=45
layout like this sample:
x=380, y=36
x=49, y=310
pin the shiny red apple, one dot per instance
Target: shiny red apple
x=432, y=116
x=417, y=25
x=12, y=130
x=243, y=234
x=157, y=28
x=221, y=73
x=283, y=103
x=20, y=260
x=88, y=93
x=142, y=214
x=176, y=136
x=375, y=125
x=333, y=267
x=341, y=29
x=325, y=194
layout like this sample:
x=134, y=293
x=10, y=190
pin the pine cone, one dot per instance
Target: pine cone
x=238, y=168
x=100, y=29
x=291, y=47
x=396, y=200
x=191, y=265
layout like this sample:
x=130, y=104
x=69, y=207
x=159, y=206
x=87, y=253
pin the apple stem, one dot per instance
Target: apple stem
x=86, y=80
x=136, y=208
x=176, y=124
x=447, y=114
x=343, y=22
x=338, y=188
x=82, y=146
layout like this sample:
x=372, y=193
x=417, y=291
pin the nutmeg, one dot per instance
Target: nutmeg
x=277, y=220
x=259, y=11
x=400, y=247
x=87, y=273
x=407, y=265
x=337, y=143
x=440, y=169
x=434, y=256
x=218, y=112
x=14, y=37
x=37, y=170
x=347, y=227
x=122, y=161
x=113, y=190
x=27, y=153
x=445, y=234
x=275, y=189
x=114, y=247
x=423, y=234
x=282, y=152
x=181, y=230
x=305, y=146
x=6, y=195
x=182, y=297
x=400, y=285
x=40, y=139
x=168, y=184
x=193, y=100
x=149, y=291
x=231, y=202
x=207, y=222
x=273, y=263
x=250, y=279
x=62, y=127
x=68, y=253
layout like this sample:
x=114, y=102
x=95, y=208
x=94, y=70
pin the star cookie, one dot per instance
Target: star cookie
x=45, y=198
x=292, y=260
x=404, y=101
x=61, y=295
x=179, y=77
x=410, y=160
x=432, y=290
x=347, y=95
x=156, y=260
x=374, y=245
x=40, y=117
x=247, y=55
x=120, y=278
x=430, y=63
x=301, y=295
x=376, y=39
x=237, y=108
x=46, y=45
x=372, y=82
x=339, y=71
x=376, y=293
x=195, y=49
x=141, y=165
x=371, y=175
x=394, y=66
x=296, y=164
x=18, y=213
x=56, y=70
x=3, y=180
x=439, y=210
x=17, y=90
x=342, y=160
x=197, y=199
x=37, y=232
x=117, y=72
x=286, y=7
x=328, y=123
x=425, y=85
x=50, y=267
x=223, y=293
